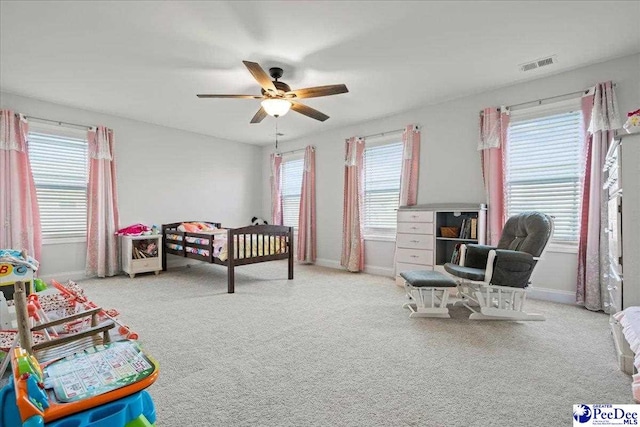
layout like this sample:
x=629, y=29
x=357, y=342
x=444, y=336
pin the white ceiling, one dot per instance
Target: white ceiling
x=147, y=60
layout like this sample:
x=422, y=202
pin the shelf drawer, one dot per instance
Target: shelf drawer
x=415, y=216
x=415, y=227
x=415, y=241
x=401, y=266
x=414, y=256
x=144, y=265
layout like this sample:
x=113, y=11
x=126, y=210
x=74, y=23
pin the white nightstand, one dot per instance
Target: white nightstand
x=141, y=254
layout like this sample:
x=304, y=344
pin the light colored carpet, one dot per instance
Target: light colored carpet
x=332, y=348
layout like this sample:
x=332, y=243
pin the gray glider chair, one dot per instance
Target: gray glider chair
x=494, y=279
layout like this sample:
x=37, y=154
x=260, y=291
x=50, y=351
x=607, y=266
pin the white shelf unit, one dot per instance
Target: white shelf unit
x=621, y=187
x=419, y=245
x=139, y=255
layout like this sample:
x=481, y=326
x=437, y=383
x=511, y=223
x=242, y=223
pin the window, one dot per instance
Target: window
x=59, y=164
x=382, y=169
x=291, y=190
x=544, y=165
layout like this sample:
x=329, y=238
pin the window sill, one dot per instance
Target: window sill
x=380, y=238
x=562, y=248
x=63, y=240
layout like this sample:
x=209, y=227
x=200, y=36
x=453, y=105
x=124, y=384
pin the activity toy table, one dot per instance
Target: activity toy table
x=103, y=386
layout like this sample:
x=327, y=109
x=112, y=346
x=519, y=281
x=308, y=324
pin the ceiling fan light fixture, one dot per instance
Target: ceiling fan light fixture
x=276, y=107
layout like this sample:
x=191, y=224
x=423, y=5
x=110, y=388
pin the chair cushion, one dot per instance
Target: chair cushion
x=465, y=272
x=477, y=255
x=428, y=279
x=526, y=232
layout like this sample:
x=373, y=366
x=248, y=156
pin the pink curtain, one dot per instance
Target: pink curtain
x=352, y=221
x=601, y=118
x=276, y=192
x=102, y=205
x=307, y=218
x=494, y=124
x=410, y=165
x=19, y=212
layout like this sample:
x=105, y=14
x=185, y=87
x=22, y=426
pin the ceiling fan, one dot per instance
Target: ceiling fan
x=277, y=97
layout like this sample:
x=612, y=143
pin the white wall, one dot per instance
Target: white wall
x=163, y=175
x=449, y=163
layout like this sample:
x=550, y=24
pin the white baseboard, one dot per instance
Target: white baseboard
x=369, y=269
x=62, y=277
x=322, y=262
x=553, y=295
x=378, y=271
x=545, y=294
x=181, y=262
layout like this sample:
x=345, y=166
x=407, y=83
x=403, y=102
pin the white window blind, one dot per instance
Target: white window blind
x=59, y=165
x=291, y=191
x=544, y=168
x=383, y=166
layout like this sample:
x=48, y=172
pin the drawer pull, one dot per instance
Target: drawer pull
x=414, y=241
x=414, y=228
x=414, y=256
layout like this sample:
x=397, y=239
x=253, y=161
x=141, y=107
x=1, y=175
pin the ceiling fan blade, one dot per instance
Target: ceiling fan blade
x=261, y=76
x=261, y=114
x=205, y=95
x=314, y=92
x=308, y=111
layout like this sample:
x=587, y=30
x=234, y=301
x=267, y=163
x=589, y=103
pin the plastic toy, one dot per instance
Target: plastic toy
x=39, y=284
x=16, y=265
x=114, y=399
x=108, y=314
x=36, y=313
x=96, y=386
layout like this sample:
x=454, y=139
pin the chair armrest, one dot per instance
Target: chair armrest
x=512, y=268
x=476, y=255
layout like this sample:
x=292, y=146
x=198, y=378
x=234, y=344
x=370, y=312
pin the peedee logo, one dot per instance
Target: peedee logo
x=618, y=414
x=605, y=415
x=581, y=413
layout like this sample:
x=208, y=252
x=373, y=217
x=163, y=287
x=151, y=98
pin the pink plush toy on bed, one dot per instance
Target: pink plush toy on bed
x=194, y=227
x=133, y=230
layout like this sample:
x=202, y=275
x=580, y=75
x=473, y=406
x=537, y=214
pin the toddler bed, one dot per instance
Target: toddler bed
x=230, y=247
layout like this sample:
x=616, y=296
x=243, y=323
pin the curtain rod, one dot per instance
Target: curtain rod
x=296, y=151
x=58, y=122
x=387, y=132
x=541, y=100
x=382, y=133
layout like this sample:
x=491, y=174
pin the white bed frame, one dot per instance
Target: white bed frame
x=623, y=352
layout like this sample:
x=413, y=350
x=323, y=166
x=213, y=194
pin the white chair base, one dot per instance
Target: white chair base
x=442, y=312
x=427, y=302
x=491, y=302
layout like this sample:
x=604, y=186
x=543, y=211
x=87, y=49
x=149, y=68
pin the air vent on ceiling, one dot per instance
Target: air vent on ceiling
x=542, y=62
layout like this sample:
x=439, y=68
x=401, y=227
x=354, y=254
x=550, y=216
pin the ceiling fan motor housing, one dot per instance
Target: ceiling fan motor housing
x=275, y=72
x=282, y=87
